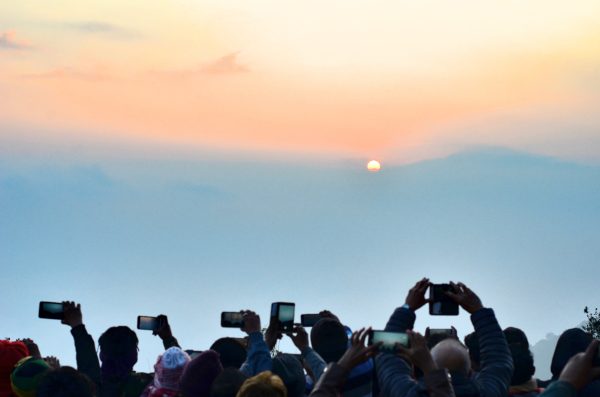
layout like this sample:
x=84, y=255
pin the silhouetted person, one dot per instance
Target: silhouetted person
x=522, y=382
x=493, y=379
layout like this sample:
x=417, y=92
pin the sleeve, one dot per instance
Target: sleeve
x=85, y=353
x=438, y=384
x=170, y=342
x=259, y=356
x=394, y=373
x=314, y=361
x=401, y=320
x=330, y=384
x=559, y=389
x=496, y=360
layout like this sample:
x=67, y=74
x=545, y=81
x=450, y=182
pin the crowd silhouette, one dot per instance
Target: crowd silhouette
x=396, y=361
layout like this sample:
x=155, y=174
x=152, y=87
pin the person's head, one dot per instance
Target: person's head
x=452, y=355
x=169, y=367
x=290, y=370
x=522, y=356
x=328, y=337
x=26, y=376
x=516, y=336
x=472, y=344
x=118, y=352
x=228, y=383
x=571, y=342
x=65, y=382
x=199, y=374
x=265, y=384
x=10, y=354
x=231, y=352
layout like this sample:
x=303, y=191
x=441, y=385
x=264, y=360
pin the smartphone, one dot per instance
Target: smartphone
x=148, y=323
x=309, y=320
x=51, y=310
x=284, y=313
x=440, y=331
x=441, y=304
x=231, y=320
x=388, y=340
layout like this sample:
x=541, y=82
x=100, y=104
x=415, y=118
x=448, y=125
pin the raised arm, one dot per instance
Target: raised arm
x=259, y=355
x=496, y=360
x=165, y=334
x=85, y=349
x=312, y=359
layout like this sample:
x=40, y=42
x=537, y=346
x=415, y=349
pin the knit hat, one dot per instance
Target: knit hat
x=169, y=367
x=290, y=370
x=27, y=375
x=199, y=374
x=10, y=354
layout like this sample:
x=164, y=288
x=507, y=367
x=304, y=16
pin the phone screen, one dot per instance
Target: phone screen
x=388, y=340
x=286, y=313
x=231, y=320
x=147, y=323
x=441, y=304
x=440, y=331
x=51, y=310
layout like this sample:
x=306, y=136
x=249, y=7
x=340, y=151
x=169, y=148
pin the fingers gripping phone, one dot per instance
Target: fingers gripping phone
x=441, y=304
x=283, y=313
x=389, y=340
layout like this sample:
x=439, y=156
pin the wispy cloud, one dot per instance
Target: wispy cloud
x=227, y=64
x=102, y=28
x=9, y=40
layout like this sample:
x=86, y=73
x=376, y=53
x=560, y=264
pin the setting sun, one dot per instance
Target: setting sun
x=373, y=166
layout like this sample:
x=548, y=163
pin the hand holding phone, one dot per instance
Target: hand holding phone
x=72, y=315
x=467, y=299
x=416, y=295
x=440, y=302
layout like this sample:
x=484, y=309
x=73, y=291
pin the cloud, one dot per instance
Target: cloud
x=102, y=28
x=8, y=40
x=69, y=73
x=227, y=64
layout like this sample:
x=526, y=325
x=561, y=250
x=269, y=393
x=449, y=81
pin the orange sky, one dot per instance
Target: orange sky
x=393, y=80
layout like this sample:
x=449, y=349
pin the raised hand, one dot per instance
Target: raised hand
x=299, y=337
x=251, y=322
x=164, y=329
x=579, y=371
x=416, y=295
x=72, y=314
x=273, y=334
x=52, y=362
x=32, y=347
x=418, y=353
x=357, y=353
x=466, y=298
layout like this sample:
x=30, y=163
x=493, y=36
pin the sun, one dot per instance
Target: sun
x=373, y=166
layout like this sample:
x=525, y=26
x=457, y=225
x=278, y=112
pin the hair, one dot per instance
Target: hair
x=523, y=361
x=65, y=382
x=516, y=336
x=264, y=384
x=472, y=344
x=570, y=342
x=118, y=341
x=228, y=383
x=328, y=337
x=231, y=352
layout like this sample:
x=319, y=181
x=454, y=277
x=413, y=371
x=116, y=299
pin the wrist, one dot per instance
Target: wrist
x=407, y=306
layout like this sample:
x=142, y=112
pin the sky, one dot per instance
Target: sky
x=189, y=157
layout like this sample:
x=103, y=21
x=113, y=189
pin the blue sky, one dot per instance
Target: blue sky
x=191, y=236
